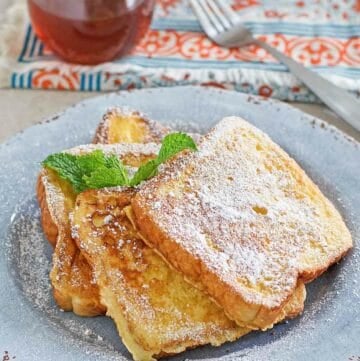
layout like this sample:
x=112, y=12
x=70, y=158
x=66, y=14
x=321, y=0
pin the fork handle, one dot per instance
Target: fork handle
x=337, y=99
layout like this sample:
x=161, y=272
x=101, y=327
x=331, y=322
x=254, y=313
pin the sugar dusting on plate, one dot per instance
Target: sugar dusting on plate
x=26, y=226
x=30, y=261
x=29, y=256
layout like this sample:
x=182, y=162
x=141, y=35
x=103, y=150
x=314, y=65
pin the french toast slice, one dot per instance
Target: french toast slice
x=121, y=125
x=72, y=279
x=241, y=220
x=74, y=287
x=156, y=311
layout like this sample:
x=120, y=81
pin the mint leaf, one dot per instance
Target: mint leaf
x=67, y=167
x=173, y=144
x=104, y=177
x=91, y=161
x=113, y=162
x=144, y=172
x=93, y=170
x=97, y=170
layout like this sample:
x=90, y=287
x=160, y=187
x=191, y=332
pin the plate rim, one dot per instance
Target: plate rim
x=11, y=140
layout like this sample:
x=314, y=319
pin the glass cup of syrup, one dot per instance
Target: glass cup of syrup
x=90, y=31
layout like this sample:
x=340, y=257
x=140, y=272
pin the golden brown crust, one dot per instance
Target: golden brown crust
x=131, y=276
x=149, y=302
x=49, y=226
x=120, y=125
x=71, y=276
x=295, y=306
x=74, y=284
x=172, y=213
x=74, y=287
x=101, y=134
x=252, y=316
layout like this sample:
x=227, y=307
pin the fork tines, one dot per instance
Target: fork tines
x=215, y=16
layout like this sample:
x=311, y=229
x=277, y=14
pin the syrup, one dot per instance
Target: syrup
x=90, y=31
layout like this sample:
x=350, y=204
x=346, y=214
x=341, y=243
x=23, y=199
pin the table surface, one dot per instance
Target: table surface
x=22, y=108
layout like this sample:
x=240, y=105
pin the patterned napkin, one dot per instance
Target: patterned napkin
x=322, y=34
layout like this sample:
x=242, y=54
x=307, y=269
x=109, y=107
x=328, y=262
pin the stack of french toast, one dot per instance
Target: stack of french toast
x=219, y=242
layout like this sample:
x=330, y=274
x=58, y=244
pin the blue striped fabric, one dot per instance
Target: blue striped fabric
x=33, y=52
x=38, y=67
x=335, y=30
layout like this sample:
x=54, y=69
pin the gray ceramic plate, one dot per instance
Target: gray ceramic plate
x=33, y=328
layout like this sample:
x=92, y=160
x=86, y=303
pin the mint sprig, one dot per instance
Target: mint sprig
x=97, y=170
x=144, y=172
x=171, y=145
x=67, y=167
x=83, y=171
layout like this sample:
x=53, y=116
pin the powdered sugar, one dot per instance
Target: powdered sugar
x=108, y=219
x=32, y=264
x=137, y=285
x=30, y=257
x=120, y=149
x=156, y=131
x=330, y=325
x=245, y=213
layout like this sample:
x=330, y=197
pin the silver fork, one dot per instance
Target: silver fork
x=223, y=26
